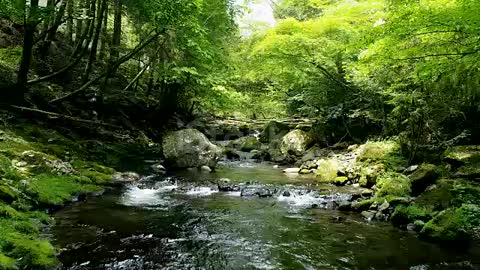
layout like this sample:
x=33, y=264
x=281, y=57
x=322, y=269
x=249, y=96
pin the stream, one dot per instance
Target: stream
x=184, y=222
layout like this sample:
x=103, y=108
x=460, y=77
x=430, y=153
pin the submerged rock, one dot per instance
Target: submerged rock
x=189, y=148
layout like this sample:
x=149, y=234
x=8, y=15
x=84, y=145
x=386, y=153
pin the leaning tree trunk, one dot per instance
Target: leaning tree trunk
x=69, y=29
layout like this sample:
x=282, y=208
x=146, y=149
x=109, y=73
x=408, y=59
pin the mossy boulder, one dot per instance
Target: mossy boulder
x=404, y=215
x=274, y=131
x=424, y=176
x=327, y=170
x=246, y=144
x=189, y=148
x=454, y=224
x=296, y=142
x=393, y=184
x=38, y=162
x=370, y=174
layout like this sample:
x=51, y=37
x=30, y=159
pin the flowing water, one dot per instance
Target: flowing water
x=185, y=222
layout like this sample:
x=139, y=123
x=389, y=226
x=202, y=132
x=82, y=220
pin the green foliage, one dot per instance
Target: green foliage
x=7, y=263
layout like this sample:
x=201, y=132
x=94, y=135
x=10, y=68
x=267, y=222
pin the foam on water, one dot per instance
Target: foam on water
x=201, y=191
x=135, y=196
x=297, y=199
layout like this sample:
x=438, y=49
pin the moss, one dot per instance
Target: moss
x=408, y=214
x=370, y=174
x=327, y=170
x=35, y=254
x=454, y=224
x=340, y=180
x=56, y=190
x=10, y=57
x=393, y=184
x=7, y=263
x=362, y=205
x=7, y=193
x=387, y=152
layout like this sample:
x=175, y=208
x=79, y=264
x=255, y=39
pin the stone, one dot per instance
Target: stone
x=273, y=131
x=381, y=216
x=125, y=177
x=370, y=175
x=296, y=142
x=231, y=154
x=205, y=168
x=159, y=169
x=226, y=185
x=368, y=215
x=327, y=170
x=292, y=170
x=424, y=176
x=465, y=160
x=384, y=207
x=189, y=148
x=411, y=169
x=352, y=147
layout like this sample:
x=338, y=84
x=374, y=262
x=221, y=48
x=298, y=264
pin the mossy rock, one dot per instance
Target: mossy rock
x=387, y=152
x=327, y=170
x=273, y=131
x=362, y=205
x=370, y=174
x=393, y=184
x=35, y=254
x=404, y=215
x=454, y=224
x=424, y=176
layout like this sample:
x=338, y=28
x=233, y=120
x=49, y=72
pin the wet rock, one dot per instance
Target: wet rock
x=352, y=147
x=381, y=216
x=205, y=169
x=189, y=148
x=368, y=215
x=121, y=178
x=226, y=185
x=159, y=169
x=286, y=193
x=262, y=192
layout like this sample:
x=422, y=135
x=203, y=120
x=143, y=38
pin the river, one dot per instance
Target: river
x=184, y=222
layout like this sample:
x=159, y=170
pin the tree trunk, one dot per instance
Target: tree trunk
x=28, y=41
x=104, y=35
x=96, y=36
x=117, y=31
x=52, y=30
x=82, y=5
x=69, y=29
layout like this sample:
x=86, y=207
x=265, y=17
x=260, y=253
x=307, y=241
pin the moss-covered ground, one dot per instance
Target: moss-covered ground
x=39, y=168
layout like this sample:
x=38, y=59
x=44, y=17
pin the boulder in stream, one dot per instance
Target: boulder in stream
x=189, y=148
x=296, y=142
x=273, y=131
